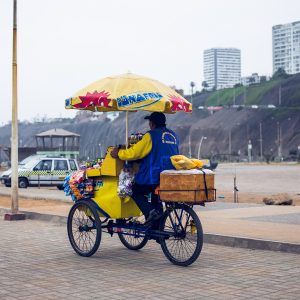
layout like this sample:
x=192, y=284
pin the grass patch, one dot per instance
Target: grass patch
x=283, y=111
x=224, y=97
x=256, y=93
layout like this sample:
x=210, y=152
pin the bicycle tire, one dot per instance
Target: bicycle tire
x=190, y=242
x=132, y=242
x=83, y=218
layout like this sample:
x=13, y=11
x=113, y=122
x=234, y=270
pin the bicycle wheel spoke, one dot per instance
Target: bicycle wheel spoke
x=184, y=243
x=131, y=238
x=83, y=232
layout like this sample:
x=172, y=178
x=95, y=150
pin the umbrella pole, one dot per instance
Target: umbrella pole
x=126, y=129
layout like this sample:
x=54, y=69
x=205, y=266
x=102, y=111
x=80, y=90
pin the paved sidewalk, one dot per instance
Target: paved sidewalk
x=37, y=262
x=266, y=222
x=42, y=193
x=242, y=225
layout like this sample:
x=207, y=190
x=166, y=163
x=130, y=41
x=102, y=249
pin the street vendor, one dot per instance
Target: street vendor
x=155, y=149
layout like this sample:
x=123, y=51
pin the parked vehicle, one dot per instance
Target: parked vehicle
x=42, y=170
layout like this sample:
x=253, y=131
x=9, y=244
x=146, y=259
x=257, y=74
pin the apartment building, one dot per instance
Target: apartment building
x=222, y=67
x=286, y=47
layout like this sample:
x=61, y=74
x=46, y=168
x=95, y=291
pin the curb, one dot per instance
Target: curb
x=40, y=217
x=39, y=197
x=209, y=238
x=248, y=243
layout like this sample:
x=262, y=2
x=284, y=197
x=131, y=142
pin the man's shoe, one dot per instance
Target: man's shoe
x=153, y=216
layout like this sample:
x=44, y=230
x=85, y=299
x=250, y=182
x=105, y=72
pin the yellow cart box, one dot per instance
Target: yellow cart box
x=111, y=166
x=93, y=172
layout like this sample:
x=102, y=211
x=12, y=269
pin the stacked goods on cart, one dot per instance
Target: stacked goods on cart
x=134, y=138
x=78, y=185
x=191, y=182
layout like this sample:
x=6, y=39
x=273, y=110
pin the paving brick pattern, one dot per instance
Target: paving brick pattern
x=37, y=262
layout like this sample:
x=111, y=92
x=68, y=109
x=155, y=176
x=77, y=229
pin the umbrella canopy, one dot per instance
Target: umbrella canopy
x=128, y=92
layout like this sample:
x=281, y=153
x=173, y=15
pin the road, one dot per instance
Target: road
x=254, y=182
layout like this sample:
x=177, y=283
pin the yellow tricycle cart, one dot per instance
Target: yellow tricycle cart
x=179, y=231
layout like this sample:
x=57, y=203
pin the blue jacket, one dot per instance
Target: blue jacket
x=165, y=143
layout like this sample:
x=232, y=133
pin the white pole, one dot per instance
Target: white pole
x=190, y=149
x=249, y=151
x=233, y=96
x=126, y=129
x=200, y=144
x=279, y=96
x=279, y=137
x=14, y=123
x=229, y=144
x=261, y=141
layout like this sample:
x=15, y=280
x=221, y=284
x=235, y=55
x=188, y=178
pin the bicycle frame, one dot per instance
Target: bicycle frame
x=140, y=230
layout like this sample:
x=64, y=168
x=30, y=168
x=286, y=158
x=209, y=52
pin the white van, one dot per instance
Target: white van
x=42, y=170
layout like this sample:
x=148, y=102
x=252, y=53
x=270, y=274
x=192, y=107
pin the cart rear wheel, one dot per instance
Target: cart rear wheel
x=84, y=228
x=184, y=244
x=130, y=237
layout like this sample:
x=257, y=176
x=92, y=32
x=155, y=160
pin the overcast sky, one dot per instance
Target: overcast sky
x=63, y=45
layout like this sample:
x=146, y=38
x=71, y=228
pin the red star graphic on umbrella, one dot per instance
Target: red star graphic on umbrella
x=94, y=99
x=179, y=104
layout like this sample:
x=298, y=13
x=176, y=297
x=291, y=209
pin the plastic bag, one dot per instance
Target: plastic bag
x=181, y=162
x=126, y=180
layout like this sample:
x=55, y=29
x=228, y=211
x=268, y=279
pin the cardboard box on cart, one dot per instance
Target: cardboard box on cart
x=191, y=186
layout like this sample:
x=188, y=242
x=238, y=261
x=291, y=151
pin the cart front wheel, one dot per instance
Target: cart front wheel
x=184, y=244
x=84, y=228
x=131, y=238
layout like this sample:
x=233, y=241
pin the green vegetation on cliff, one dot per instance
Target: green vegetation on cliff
x=279, y=91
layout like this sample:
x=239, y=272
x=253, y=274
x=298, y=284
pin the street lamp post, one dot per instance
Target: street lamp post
x=200, y=144
x=249, y=151
x=14, y=123
x=279, y=95
x=229, y=144
x=279, y=141
x=261, y=141
x=192, y=88
x=234, y=96
x=14, y=215
x=100, y=145
x=190, y=146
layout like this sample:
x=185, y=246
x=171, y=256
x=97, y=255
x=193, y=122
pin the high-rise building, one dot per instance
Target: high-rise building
x=286, y=47
x=222, y=67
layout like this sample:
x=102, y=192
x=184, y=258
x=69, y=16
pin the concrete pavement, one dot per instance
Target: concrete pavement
x=42, y=193
x=37, y=262
x=252, y=226
x=240, y=225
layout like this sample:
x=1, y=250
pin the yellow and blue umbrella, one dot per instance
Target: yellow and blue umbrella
x=128, y=92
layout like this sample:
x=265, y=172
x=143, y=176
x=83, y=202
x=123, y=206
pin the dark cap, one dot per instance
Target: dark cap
x=157, y=118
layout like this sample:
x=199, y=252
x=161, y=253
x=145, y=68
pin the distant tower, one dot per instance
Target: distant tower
x=286, y=47
x=222, y=67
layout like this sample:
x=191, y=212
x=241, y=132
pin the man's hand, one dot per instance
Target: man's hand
x=114, y=153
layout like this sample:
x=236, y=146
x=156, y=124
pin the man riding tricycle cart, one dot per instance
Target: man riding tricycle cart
x=135, y=191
